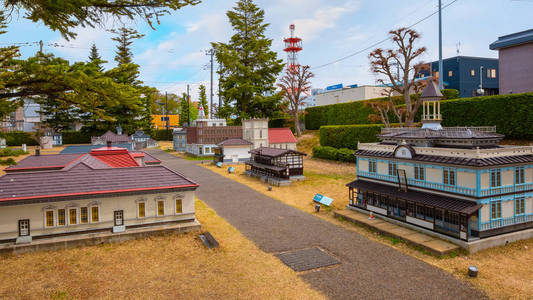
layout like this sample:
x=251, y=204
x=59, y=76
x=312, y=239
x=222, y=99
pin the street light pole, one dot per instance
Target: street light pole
x=441, y=83
x=166, y=112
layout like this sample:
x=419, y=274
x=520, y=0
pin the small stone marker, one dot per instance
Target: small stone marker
x=322, y=199
x=219, y=164
x=208, y=240
x=317, y=208
x=2, y=143
x=231, y=170
x=24, y=148
x=472, y=271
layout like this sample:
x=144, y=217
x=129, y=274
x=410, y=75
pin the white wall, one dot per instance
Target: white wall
x=9, y=215
x=240, y=152
x=349, y=94
x=290, y=146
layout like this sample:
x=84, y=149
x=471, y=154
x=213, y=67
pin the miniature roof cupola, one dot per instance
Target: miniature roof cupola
x=201, y=113
x=431, y=96
x=119, y=129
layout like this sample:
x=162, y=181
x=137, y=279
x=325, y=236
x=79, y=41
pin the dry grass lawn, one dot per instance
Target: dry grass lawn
x=171, y=267
x=165, y=145
x=504, y=272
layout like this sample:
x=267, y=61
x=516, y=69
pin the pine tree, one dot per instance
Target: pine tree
x=94, y=57
x=202, y=98
x=248, y=67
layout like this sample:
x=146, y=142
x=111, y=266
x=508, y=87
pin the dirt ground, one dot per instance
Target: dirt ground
x=170, y=267
x=504, y=272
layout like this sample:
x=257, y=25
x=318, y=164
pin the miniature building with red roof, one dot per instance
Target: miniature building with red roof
x=281, y=138
x=106, y=190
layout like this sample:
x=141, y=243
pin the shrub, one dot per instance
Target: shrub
x=327, y=152
x=8, y=162
x=77, y=137
x=450, y=94
x=345, y=155
x=11, y=152
x=347, y=136
x=17, y=138
x=161, y=135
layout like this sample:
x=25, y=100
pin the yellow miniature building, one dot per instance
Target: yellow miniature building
x=160, y=122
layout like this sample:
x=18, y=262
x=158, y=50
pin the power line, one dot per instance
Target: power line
x=382, y=41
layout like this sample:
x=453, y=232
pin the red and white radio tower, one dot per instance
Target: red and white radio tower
x=293, y=45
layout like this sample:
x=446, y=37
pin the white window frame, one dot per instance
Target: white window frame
x=175, y=199
x=157, y=207
x=137, y=207
x=68, y=215
x=54, y=217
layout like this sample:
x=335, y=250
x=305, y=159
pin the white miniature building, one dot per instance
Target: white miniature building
x=256, y=132
x=233, y=151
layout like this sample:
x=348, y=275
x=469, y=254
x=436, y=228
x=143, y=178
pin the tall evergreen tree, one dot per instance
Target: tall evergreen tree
x=248, y=67
x=95, y=58
x=202, y=98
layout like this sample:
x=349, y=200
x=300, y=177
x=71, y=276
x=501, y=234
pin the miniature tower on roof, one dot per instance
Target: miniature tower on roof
x=119, y=129
x=201, y=113
x=431, y=117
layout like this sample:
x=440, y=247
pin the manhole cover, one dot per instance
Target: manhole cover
x=307, y=259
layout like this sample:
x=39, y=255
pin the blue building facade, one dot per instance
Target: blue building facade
x=466, y=74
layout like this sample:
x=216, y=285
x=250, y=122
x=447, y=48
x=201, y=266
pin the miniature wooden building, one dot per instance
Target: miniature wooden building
x=277, y=166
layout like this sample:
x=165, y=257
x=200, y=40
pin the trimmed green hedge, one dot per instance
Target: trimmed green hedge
x=161, y=135
x=327, y=152
x=17, y=138
x=11, y=152
x=511, y=114
x=347, y=136
x=450, y=94
x=8, y=162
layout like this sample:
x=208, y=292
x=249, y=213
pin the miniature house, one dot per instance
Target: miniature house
x=458, y=183
x=107, y=190
x=232, y=151
x=179, y=139
x=276, y=166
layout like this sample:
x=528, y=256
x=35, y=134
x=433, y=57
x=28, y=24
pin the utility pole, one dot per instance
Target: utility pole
x=41, y=46
x=441, y=84
x=188, y=108
x=211, y=52
x=219, y=95
x=166, y=112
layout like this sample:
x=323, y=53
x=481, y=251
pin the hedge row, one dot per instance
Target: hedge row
x=355, y=112
x=511, y=114
x=161, y=134
x=77, y=137
x=327, y=152
x=17, y=138
x=347, y=136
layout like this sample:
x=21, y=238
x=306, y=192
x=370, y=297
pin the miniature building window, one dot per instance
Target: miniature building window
x=519, y=175
x=491, y=73
x=372, y=166
x=495, y=178
x=473, y=72
x=393, y=169
x=449, y=176
x=419, y=172
x=84, y=215
x=141, y=210
x=520, y=206
x=72, y=216
x=95, y=216
x=49, y=215
x=450, y=73
x=179, y=207
x=61, y=217
x=496, y=209
x=161, y=208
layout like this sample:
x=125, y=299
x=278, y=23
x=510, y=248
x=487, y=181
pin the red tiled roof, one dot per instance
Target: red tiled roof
x=280, y=135
x=115, y=157
x=83, y=180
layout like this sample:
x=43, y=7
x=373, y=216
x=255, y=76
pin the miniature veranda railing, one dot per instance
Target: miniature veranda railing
x=491, y=129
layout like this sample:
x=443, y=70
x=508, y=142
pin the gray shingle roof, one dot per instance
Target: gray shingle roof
x=234, y=142
x=273, y=152
x=84, y=180
x=57, y=161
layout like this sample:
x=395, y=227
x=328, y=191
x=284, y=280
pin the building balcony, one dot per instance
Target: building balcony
x=506, y=222
x=506, y=189
x=423, y=184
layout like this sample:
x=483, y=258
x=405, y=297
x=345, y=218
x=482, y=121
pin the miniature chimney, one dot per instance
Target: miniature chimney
x=108, y=144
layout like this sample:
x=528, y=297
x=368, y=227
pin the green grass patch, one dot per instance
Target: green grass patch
x=8, y=162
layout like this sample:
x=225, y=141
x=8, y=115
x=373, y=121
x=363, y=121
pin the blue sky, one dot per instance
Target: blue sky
x=173, y=55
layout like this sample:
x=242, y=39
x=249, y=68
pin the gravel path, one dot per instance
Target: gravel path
x=368, y=270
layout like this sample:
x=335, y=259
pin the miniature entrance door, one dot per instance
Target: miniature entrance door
x=24, y=227
x=119, y=217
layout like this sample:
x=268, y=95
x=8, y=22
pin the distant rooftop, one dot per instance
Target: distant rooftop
x=513, y=39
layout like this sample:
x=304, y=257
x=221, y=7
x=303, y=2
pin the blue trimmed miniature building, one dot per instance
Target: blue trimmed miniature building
x=457, y=182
